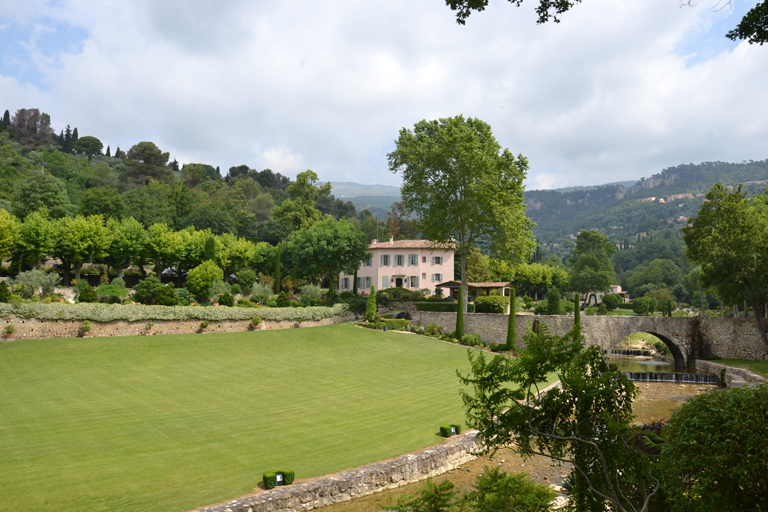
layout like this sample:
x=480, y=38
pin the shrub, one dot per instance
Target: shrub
x=496, y=490
x=204, y=324
x=442, y=307
x=311, y=293
x=715, y=451
x=270, y=477
x=527, y=302
x=201, y=278
x=218, y=288
x=491, y=304
x=166, y=296
x=10, y=329
x=146, y=290
x=5, y=293
x=394, y=324
x=357, y=305
x=644, y=305
x=612, y=301
x=542, y=308
x=34, y=282
x=88, y=294
x=553, y=301
x=590, y=310
x=382, y=299
x=260, y=293
x=85, y=327
x=112, y=293
x=183, y=297
x=446, y=430
x=282, y=300
x=602, y=309
x=245, y=278
x=234, y=289
x=254, y=324
x=226, y=299
x=119, y=281
x=345, y=296
x=568, y=306
x=81, y=284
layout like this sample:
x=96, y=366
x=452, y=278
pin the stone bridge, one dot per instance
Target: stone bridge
x=688, y=339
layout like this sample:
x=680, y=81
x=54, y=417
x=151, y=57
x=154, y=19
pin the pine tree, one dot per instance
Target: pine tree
x=67, y=143
x=108, y=153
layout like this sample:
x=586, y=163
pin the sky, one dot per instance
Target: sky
x=620, y=89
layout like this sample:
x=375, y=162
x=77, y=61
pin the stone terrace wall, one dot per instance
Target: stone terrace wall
x=31, y=328
x=369, y=479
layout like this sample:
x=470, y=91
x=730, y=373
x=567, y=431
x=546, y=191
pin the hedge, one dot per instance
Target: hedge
x=270, y=477
x=445, y=430
x=141, y=313
x=442, y=307
x=491, y=304
x=392, y=324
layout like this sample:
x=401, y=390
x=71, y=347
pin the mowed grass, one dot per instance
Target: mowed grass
x=165, y=423
x=759, y=367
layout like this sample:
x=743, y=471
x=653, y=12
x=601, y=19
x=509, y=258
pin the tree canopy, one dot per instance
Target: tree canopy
x=464, y=189
x=591, y=265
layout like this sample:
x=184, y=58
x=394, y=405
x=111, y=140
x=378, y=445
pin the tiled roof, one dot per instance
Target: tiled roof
x=407, y=244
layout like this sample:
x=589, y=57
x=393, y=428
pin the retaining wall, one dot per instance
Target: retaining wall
x=354, y=483
x=31, y=328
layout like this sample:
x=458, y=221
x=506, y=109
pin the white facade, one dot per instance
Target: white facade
x=412, y=264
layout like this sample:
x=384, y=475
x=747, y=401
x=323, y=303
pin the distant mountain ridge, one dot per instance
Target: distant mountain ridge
x=345, y=189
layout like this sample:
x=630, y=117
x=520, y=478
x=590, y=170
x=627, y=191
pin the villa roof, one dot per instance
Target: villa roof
x=409, y=244
x=456, y=284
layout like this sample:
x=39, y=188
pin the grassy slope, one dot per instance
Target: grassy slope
x=175, y=422
x=758, y=367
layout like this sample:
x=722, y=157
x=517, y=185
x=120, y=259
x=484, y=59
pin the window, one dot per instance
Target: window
x=368, y=262
x=413, y=260
x=345, y=283
x=424, y=275
x=414, y=281
x=384, y=260
x=368, y=282
x=423, y=259
x=437, y=260
x=437, y=278
x=360, y=282
x=399, y=260
x=384, y=282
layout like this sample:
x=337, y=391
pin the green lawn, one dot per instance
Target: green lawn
x=166, y=423
x=758, y=367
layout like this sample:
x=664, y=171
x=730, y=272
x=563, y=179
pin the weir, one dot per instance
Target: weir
x=626, y=352
x=679, y=378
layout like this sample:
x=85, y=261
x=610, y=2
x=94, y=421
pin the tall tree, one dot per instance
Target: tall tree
x=462, y=186
x=88, y=146
x=145, y=162
x=42, y=190
x=6, y=122
x=728, y=238
x=10, y=230
x=108, y=153
x=591, y=265
x=31, y=127
x=128, y=243
x=328, y=247
x=38, y=238
x=81, y=240
x=299, y=211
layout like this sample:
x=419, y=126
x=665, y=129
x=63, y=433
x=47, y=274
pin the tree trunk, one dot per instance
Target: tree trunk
x=78, y=266
x=511, y=335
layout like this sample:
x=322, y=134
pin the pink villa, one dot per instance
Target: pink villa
x=413, y=264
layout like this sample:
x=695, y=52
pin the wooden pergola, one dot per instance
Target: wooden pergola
x=454, y=286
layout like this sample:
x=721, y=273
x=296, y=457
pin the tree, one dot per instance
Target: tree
x=127, y=243
x=753, y=27
x=42, y=190
x=105, y=201
x=163, y=247
x=644, y=305
x=478, y=269
x=88, y=145
x=31, y=127
x=553, y=302
x=328, y=247
x=728, y=238
x=37, y=238
x=145, y=162
x=200, y=279
x=511, y=335
x=585, y=422
x=146, y=290
x=612, y=301
x=80, y=240
x=6, y=121
x=462, y=186
x=591, y=266
x=10, y=231
x=370, y=306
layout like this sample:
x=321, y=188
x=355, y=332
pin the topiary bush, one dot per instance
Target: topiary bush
x=5, y=293
x=446, y=430
x=612, y=301
x=491, y=304
x=166, y=295
x=283, y=301
x=270, y=477
x=226, y=299
x=370, y=307
x=715, y=455
x=201, y=278
x=88, y=294
x=146, y=290
x=644, y=305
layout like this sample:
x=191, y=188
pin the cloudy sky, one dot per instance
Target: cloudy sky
x=620, y=89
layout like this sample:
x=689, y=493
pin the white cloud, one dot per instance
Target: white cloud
x=605, y=95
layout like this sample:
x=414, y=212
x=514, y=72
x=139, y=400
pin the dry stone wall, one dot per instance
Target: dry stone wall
x=31, y=328
x=369, y=479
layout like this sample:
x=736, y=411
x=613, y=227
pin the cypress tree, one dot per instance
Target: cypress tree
x=459, y=332
x=511, y=328
x=577, y=317
x=74, y=136
x=6, y=120
x=354, y=283
x=108, y=153
x=118, y=153
x=370, y=306
x=277, y=272
x=553, y=301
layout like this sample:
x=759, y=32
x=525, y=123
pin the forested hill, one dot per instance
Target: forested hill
x=620, y=209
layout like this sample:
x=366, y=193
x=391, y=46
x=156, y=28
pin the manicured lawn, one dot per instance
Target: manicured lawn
x=758, y=367
x=166, y=423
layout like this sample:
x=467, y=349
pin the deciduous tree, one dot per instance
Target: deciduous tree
x=38, y=238
x=31, y=127
x=10, y=231
x=591, y=265
x=42, y=190
x=81, y=240
x=463, y=187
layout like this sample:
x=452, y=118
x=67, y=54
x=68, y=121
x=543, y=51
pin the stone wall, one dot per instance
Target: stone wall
x=734, y=377
x=31, y=328
x=691, y=338
x=369, y=479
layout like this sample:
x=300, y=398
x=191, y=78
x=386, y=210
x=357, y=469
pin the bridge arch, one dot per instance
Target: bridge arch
x=677, y=354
